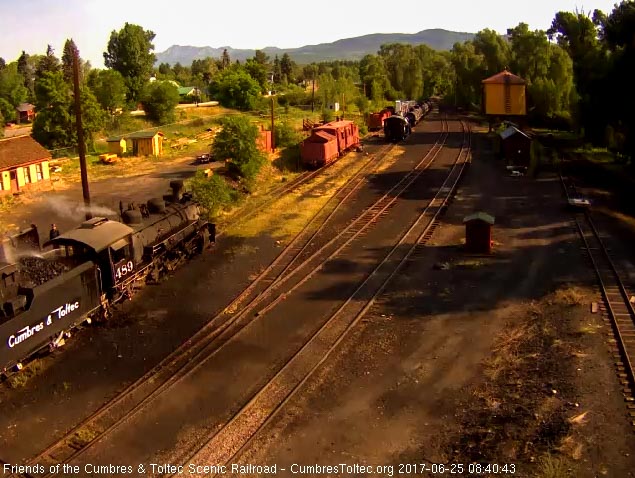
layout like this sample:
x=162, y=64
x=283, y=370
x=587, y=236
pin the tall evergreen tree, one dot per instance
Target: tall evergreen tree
x=48, y=62
x=225, y=61
x=70, y=50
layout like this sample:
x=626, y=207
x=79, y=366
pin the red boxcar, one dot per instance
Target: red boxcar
x=329, y=141
x=318, y=149
x=376, y=120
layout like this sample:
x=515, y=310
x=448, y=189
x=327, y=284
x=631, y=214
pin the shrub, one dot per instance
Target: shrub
x=236, y=142
x=285, y=135
x=159, y=100
x=211, y=193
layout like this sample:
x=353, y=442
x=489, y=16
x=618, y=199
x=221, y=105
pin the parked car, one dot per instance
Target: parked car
x=204, y=158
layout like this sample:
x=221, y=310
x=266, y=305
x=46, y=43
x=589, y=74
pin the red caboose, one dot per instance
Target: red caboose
x=329, y=141
x=376, y=120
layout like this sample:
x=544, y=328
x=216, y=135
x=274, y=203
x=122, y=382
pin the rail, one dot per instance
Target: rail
x=237, y=434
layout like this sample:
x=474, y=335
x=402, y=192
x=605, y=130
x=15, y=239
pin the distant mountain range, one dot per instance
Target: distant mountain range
x=346, y=49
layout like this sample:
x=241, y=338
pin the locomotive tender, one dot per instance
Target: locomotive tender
x=91, y=268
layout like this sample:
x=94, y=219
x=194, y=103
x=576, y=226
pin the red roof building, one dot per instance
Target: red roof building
x=24, y=165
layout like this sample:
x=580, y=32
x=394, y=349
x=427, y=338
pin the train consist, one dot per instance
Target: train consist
x=81, y=274
x=328, y=142
x=398, y=127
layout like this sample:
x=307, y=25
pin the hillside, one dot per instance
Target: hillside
x=346, y=49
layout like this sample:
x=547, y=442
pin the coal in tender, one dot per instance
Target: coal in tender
x=37, y=271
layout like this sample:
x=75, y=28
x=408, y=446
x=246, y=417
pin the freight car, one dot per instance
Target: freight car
x=376, y=120
x=396, y=128
x=328, y=142
x=45, y=294
x=417, y=112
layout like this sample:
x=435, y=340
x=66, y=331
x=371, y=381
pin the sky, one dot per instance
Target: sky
x=32, y=24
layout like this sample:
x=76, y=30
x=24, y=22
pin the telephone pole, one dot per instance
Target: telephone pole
x=273, y=136
x=81, y=145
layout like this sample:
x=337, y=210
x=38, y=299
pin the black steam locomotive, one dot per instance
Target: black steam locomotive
x=81, y=274
x=399, y=126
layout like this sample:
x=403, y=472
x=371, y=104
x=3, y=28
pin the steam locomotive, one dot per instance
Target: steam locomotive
x=399, y=126
x=81, y=274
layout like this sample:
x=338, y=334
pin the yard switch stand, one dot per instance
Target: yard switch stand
x=81, y=145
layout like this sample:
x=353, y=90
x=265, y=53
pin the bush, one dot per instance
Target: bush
x=236, y=142
x=327, y=115
x=211, y=193
x=159, y=100
x=285, y=135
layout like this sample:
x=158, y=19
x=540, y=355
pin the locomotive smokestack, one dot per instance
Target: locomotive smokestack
x=177, y=190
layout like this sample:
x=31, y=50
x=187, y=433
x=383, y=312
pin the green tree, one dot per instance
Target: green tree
x=53, y=100
x=166, y=71
x=225, y=60
x=109, y=89
x=159, y=100
x=70, y=50
x=204, y=69
x=287, y=66
x=236, y=142
x=48, y=62
x=277, y=70
x=258, y=72
x=129, y=52
x=12, y=89
x=2, y=63
x=495, y=49
x=468, y=67
x=235, y=88
x=261, y=58
x=54, y=125
x=7, y=110
x=211, y=193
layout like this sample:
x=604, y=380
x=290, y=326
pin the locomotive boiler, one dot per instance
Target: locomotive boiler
x=81, y=274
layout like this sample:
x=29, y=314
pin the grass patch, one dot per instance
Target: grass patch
x=570, y=296
x=83, y=437
x=299, y=206
x=521, y=411
x=21, y=378
x=552, y=467
x=469, y=264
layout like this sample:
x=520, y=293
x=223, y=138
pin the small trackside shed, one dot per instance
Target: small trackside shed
x=146, y=143
x=515, y=146
x=117, y=145
x=478, y=233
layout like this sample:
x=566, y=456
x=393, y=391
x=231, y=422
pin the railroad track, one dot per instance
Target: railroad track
x=287, y=187
x=618, y=307
x=234, y=437
x=183, y=361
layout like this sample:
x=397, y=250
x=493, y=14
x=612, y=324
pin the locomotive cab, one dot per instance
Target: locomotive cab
x=105, y=242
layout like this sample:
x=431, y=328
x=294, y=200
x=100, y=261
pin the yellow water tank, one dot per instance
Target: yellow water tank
x=504, y=94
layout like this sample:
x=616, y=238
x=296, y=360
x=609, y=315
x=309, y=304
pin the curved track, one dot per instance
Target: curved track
x=188, y=357
x=234, y=437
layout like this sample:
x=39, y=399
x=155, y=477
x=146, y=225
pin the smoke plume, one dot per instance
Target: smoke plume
x=69, y=209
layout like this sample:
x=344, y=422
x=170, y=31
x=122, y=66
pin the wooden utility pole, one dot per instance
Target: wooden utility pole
x=273, y=136
x=81, y=145
x=313, y=94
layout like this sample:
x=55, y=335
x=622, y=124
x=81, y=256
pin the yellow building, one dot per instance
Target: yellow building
x=117, y=145
x=504, y=95
x=146, y=143
x=24, y=165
